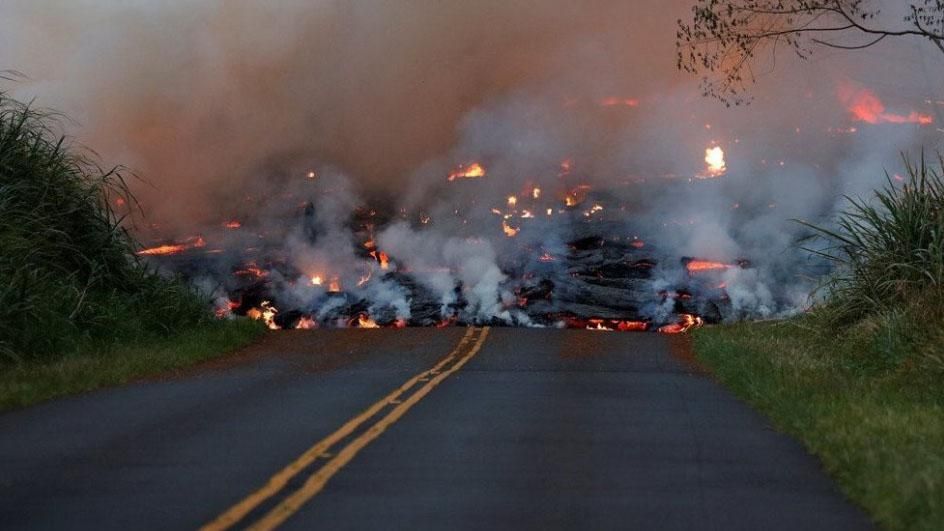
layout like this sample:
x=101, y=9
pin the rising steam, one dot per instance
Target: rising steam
x=265, y=127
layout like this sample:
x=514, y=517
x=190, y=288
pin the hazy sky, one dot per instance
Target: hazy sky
x=204, y=96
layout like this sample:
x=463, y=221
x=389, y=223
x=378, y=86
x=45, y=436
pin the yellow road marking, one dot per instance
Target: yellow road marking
x=317, y=481
x=277, y=482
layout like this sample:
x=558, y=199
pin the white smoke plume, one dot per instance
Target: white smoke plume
x=292, y=116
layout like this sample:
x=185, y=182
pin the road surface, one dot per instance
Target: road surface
x=417, y=429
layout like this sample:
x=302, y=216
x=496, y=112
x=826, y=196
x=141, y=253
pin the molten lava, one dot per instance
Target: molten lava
x=715, y=163
x=364, y=321
x=174, y=248
x=251, y=270
x=222, y=312
x=306, y=323
x=334, y=286
x=866, y=107
x=623, y=102
x=381, y=258
x=472, y=171
x=576, y=195
x=510, y=231
x=696, y=266
x=686, y=323
x=265, y=313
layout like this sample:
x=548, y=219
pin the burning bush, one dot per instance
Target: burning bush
x=890, y=252
x=68, y=274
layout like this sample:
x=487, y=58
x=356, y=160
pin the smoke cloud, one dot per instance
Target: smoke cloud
x=224, y=108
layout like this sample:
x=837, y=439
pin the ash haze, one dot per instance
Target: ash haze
x=211, y=101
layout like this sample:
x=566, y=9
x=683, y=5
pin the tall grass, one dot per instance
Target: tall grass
x=68, y=274
x=889, y=251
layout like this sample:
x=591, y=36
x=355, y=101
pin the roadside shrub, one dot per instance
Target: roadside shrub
x=889, y=251
x=888, y=282
x=68, y=273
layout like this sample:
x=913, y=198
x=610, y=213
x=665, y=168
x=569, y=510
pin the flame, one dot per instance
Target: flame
x=364, y=321
x=334, y=286
x=686, y=323
x=547, y=257
x=597, y=324
x=232, y=224
x=565, y=166
x=226, y=310
x=866, y=107
x=306, y=323
x=472, y=171
x=512, y=201
x=449, y=321
x=317, y=280
x=311, y=175
x=576, y=196
x=632, y=326
x=614, y=101
x=265, y=313
x=536, y=193
x=695, y=266
x=637, y=244
x=716, y=165
x=193, y=242
x=383, y=259
x=593, y=210
x=510, y=231
x=251, y=270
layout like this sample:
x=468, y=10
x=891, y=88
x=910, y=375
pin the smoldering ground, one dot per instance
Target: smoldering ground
x=224, y=108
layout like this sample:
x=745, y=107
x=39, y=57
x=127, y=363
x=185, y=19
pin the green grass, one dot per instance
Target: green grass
x=27, y=383
x=68, y=272
x=78, y=309
x=867, y=400
x=888, y=250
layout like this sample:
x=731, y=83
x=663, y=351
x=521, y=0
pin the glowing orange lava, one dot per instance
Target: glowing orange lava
x=472, y=171
x=866, y=107
x=174, y=248
x=265, y=313
x=364, y=321
x=715, y=165
x=686, y=323
x=695, y=266
x=622, y=102
x=306, y=323
x=509, y=231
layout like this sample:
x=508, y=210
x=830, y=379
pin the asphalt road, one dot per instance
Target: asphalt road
x=351, y=429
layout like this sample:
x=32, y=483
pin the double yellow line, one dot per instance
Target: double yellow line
x=397, y=402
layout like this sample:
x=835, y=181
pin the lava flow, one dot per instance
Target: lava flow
x=865, y=106
x=174, y=248
x=472, y=171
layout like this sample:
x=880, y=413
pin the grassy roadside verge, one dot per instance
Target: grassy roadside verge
x=27, y=383
x=873, y=414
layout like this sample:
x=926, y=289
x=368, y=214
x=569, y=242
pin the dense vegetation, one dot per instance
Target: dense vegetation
x=70, y=284
x=889, y=257
x=859, y=378
x=68, y=275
